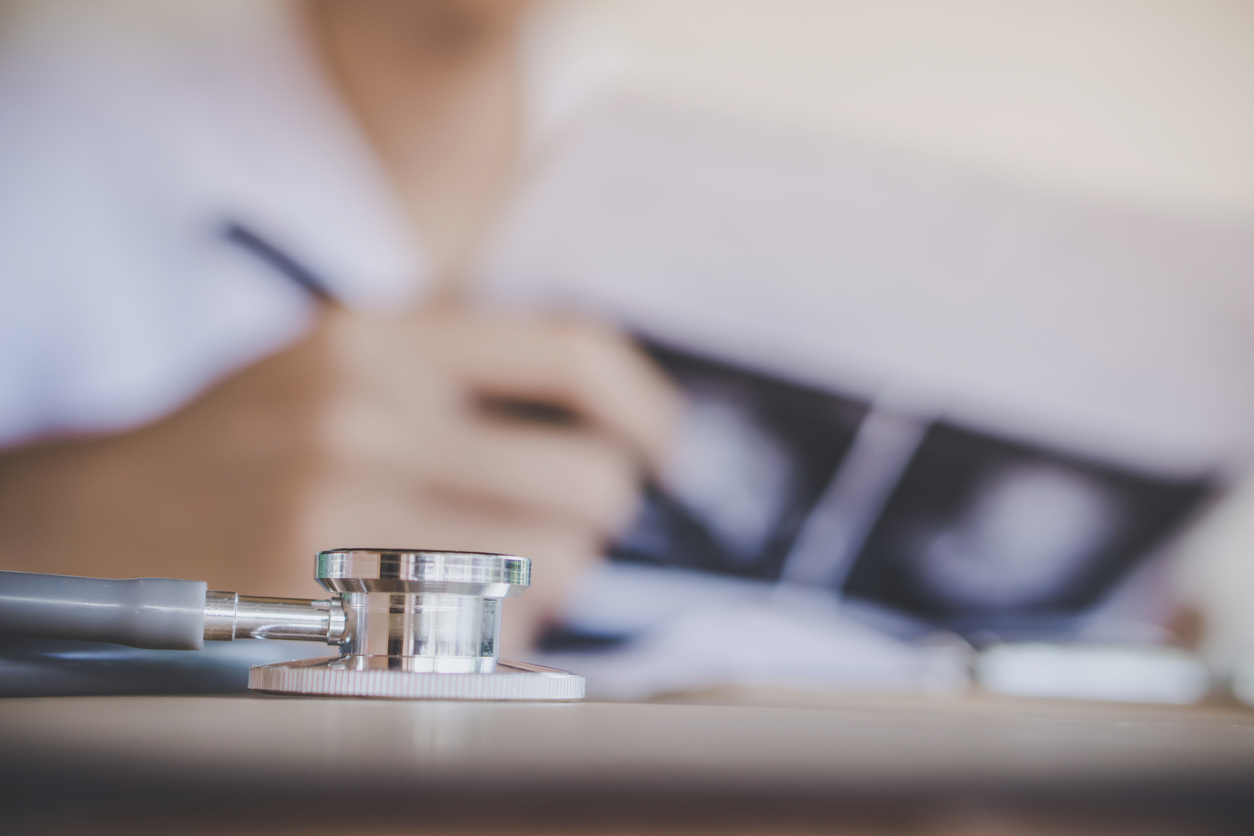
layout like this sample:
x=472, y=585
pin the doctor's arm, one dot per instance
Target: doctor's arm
x=417, y=432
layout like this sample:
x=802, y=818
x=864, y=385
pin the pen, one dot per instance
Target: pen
x=281, y=261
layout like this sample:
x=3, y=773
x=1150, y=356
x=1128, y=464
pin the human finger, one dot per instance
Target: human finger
x=568, y=473
x=587, y=368
x=536, y=470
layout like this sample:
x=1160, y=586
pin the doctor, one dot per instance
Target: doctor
x=231, y=236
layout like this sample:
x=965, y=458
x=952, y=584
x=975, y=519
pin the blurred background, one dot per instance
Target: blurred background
x=802, y=345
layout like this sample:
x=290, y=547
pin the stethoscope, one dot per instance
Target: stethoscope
x=408, y=624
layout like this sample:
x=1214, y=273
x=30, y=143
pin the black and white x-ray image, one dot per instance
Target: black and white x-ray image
x=974, y=532
x=981, y=533
x=754, y=456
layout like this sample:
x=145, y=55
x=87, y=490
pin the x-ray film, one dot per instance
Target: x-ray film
x=941, y=523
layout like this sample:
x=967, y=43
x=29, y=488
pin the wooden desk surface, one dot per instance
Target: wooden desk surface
x=790, y=752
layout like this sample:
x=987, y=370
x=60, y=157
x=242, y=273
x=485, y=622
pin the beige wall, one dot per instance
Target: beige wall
x=1147, y=101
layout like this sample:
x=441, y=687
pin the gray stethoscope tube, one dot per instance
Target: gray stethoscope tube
x=148, y=612
x=158, y=613
x=404, y=621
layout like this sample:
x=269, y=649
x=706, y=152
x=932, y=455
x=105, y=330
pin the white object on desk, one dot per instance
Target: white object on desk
x=1094, y=672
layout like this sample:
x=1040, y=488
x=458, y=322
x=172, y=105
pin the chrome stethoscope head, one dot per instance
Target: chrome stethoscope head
x=418, y=624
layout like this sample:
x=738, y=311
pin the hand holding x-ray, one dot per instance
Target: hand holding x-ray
x=490, y=432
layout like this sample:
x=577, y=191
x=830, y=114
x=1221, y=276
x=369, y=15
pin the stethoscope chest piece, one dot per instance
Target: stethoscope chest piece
x=418, y=625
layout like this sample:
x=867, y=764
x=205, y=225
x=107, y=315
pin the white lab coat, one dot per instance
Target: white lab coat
x=130, y=136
